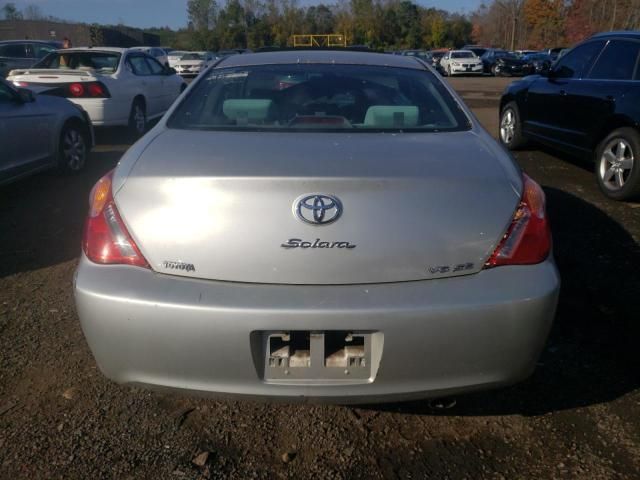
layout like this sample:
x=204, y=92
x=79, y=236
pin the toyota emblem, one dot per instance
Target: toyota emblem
x=317, y=209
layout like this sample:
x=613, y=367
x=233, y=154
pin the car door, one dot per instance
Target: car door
x=167, y=88
x=147, y=83
x=546, y=115
x=603, y=91
x=26, y=133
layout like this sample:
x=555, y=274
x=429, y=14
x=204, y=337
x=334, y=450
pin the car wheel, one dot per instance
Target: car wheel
x=73, y=150
x=494, y=71
x=511, y=127
x=138, y=118
x=618, y=164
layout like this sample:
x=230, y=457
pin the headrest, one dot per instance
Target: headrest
x=247, y=110
x=391, y=116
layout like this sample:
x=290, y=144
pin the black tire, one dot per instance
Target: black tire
x=494, y=71
x=73, y=149
x=510, y=128
x=137, y=119
x=617, y=168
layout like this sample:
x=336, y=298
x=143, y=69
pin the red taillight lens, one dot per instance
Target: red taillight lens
x=106, y=239
x=88, y=90
x=76, y=90
x=528, y=239
x=96, y=90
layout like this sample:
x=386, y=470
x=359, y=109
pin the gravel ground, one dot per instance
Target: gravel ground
x=576, y=417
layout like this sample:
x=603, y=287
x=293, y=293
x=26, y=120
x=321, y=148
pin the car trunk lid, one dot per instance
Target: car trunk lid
x=222, y=205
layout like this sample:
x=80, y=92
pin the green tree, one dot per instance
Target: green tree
x=10, y=12
x=409, y=23
x=202, y=19
x=319, y=20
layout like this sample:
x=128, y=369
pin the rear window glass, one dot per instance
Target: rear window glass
x=100, y=61
x=324, y=97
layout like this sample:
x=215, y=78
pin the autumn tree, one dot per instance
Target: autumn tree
x=545, y=22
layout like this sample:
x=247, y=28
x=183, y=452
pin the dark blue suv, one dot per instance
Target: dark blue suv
x=587, y=104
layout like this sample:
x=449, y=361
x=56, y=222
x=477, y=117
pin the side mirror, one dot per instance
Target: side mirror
x=26, y=96
x=170, y=71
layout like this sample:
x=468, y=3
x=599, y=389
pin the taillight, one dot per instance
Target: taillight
x=76, y=90
x=88, y=90
x=106, y=239
x=528, y=238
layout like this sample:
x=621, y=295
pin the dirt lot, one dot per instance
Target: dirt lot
x=576, y=417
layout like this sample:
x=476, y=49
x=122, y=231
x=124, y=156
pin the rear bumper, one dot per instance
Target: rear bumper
x=105, y=112
x=441, y=337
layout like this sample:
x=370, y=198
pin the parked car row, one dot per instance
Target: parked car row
x=64, y=93
x=129, y=87
x=38, y=132
x=115, y=86
x=494, y=61
x=67, y=93
x=25, y=53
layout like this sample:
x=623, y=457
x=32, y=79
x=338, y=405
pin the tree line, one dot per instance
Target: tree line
x=9, y=11
x=520, y=24
x=379, y=24
x=386, y=24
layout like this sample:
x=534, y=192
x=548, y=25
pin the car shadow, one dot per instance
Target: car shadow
x=42, y=216
x=584, y=162
x=592, y=354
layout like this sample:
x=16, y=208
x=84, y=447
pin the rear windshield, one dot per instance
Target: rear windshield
x=103, y=62
x=325, y=97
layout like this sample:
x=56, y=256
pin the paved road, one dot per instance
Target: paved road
x=576, y=417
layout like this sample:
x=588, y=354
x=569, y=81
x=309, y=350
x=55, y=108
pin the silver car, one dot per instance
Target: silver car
x=317, y=225
x=40, y=132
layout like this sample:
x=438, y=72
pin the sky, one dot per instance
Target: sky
x=153, y=13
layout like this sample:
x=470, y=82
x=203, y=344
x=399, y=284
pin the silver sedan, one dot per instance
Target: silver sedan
x=327, y=226
x=40, y=132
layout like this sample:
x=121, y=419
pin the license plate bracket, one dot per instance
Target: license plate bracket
x=321, y=357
